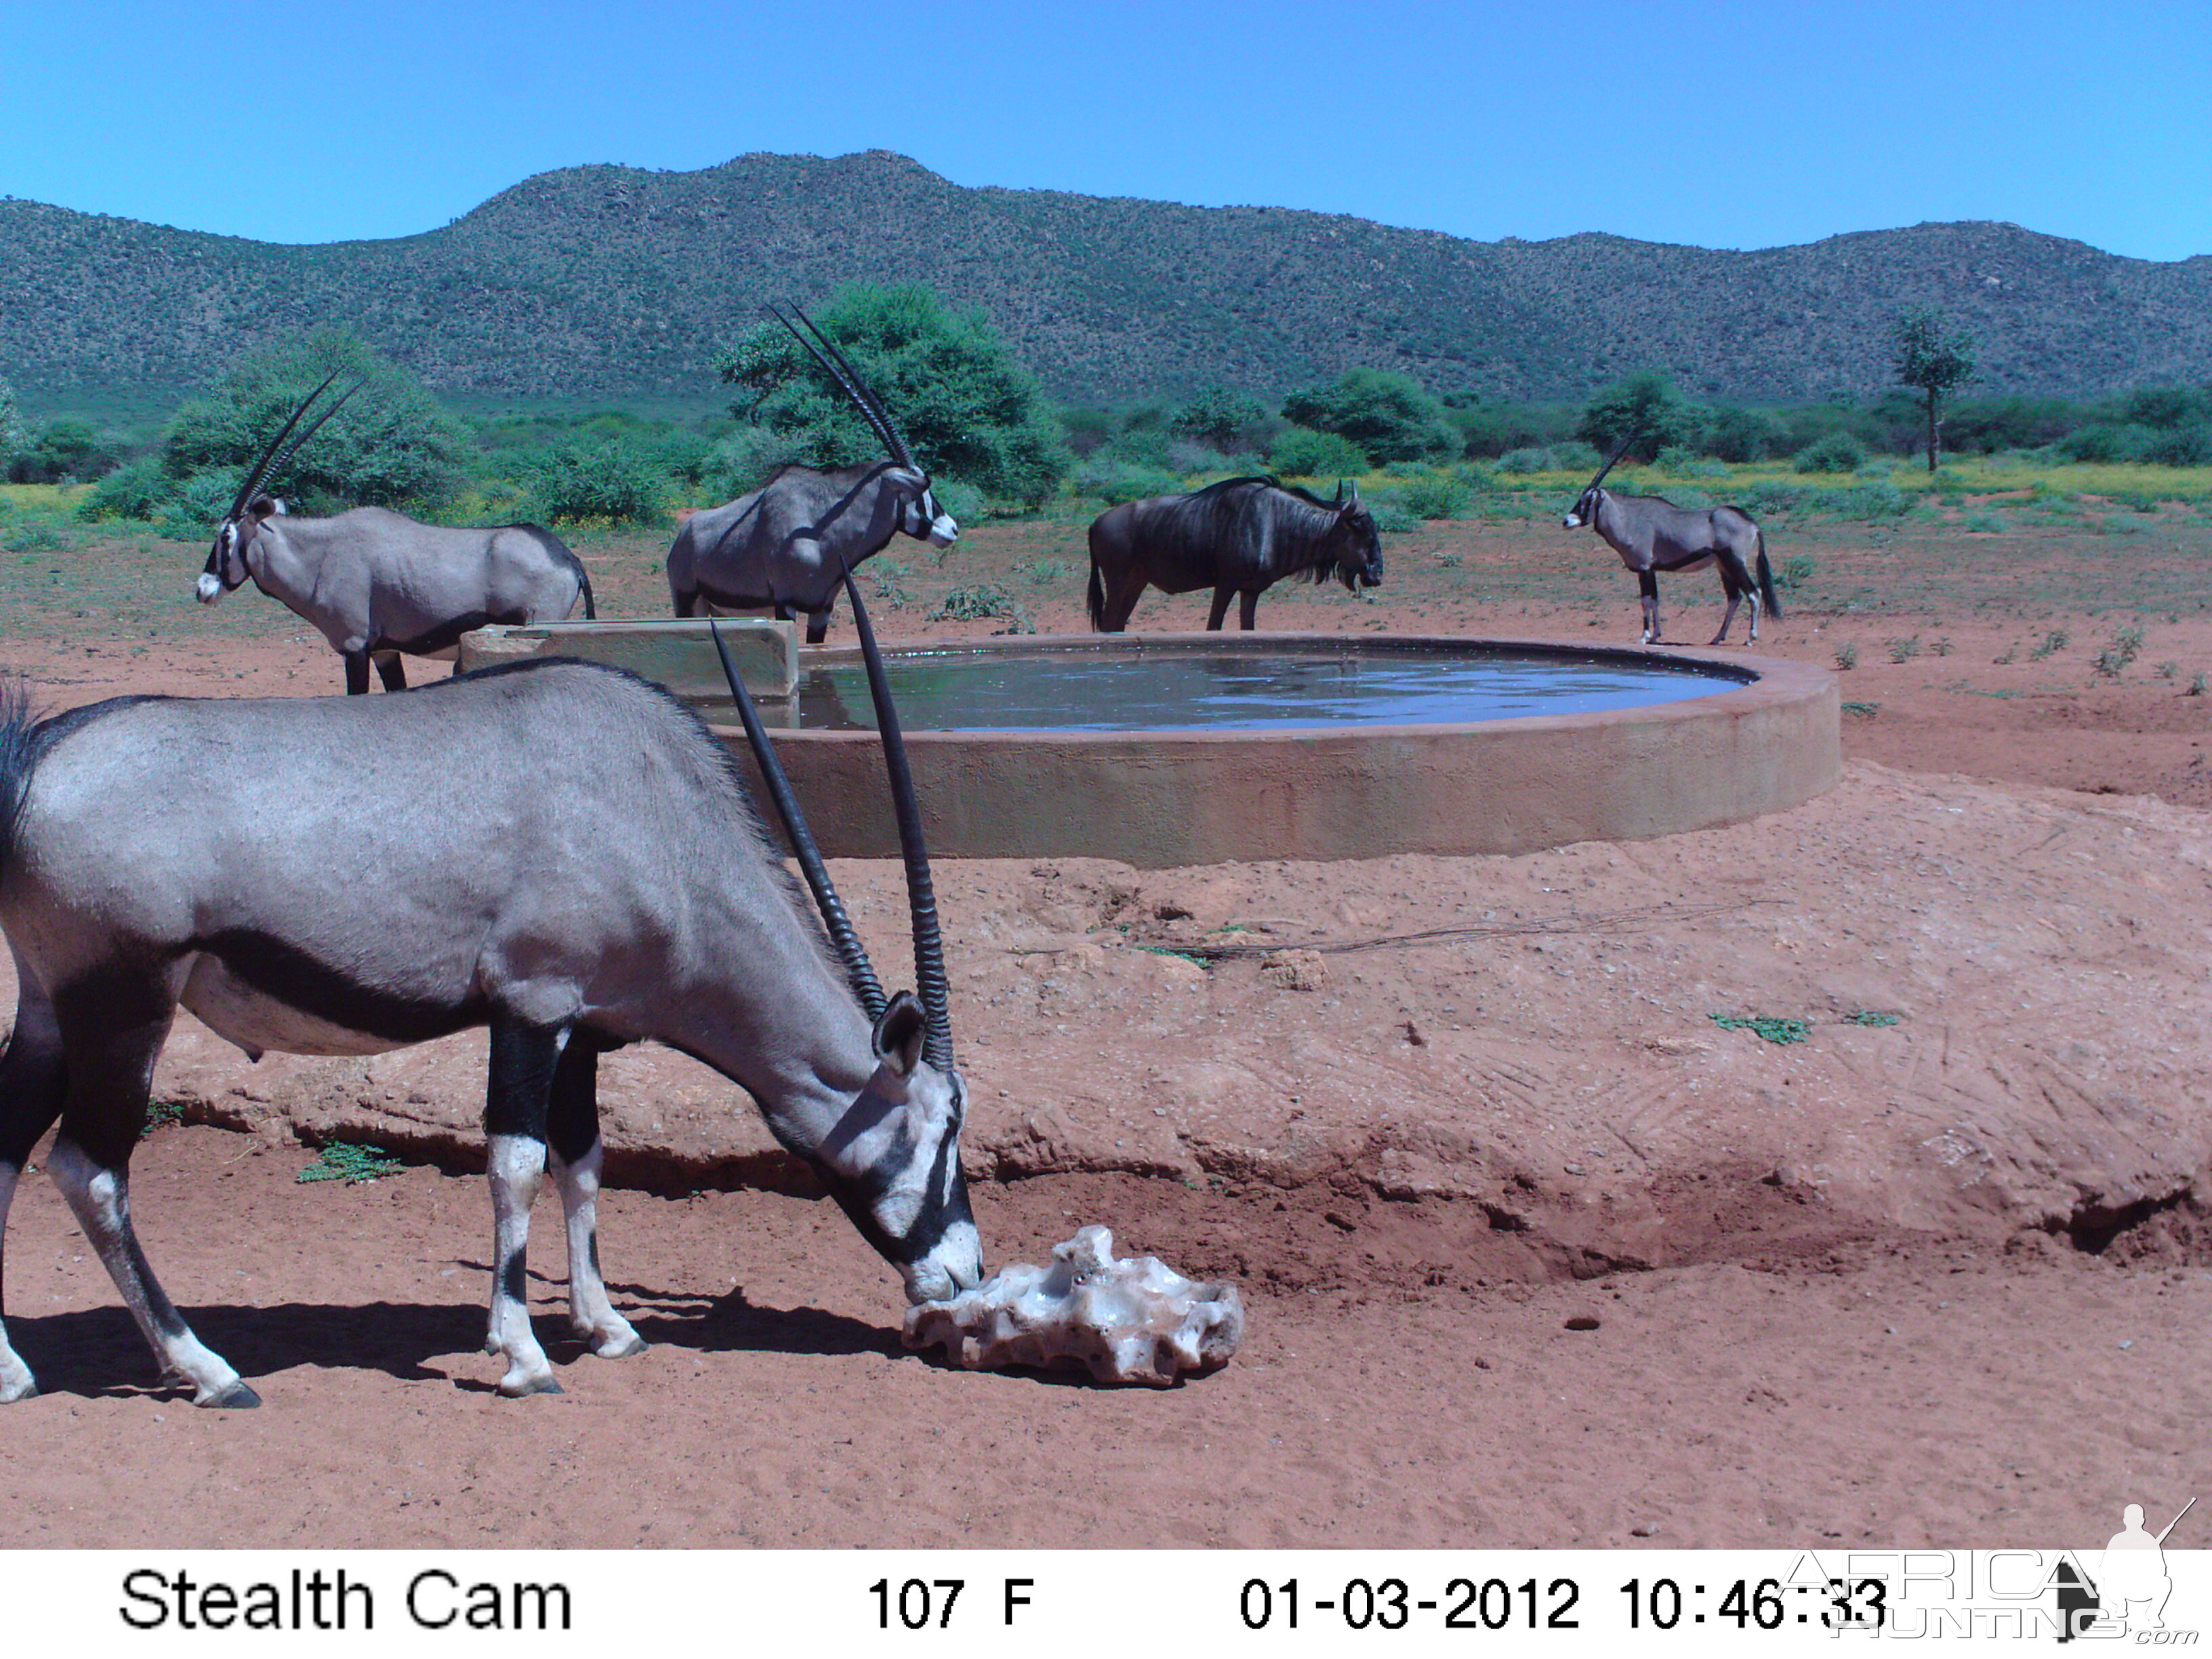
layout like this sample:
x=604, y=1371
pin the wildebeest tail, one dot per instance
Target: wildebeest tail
x=1094, y=597
x=1766, y=582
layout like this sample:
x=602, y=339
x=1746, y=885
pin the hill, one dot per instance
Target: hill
x=611, y=283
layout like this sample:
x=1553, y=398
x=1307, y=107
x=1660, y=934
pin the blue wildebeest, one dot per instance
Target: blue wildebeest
x=1652, y=534
x=302, y=874
x=376, y=583
x=1238, y=536
x=785, y=546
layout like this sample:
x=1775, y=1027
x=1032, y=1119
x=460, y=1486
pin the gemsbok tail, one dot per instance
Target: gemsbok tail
x=19, y=753
x=1766, y=582
x=1094, y=597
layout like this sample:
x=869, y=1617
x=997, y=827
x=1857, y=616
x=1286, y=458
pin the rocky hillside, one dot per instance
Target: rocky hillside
x=605, y=282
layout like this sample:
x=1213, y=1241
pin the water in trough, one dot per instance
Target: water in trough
x=1195, y=689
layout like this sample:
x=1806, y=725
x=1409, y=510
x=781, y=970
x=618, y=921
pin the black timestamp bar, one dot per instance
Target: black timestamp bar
x=1764, y=1604
x=1393, y=1604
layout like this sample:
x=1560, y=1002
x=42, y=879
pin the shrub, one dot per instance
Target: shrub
x=614, y=481
x=1390, y=416
x=955, y=393
x=2180, y=446
x=391, y=446
x=1218, y=416
x=961, y=500
x=1118, y=480
x=1742, y=435
x=1645, y=404
x=1839, y=452
x=1439, y=497
x=11, y=423
x=1796, y=570
x=1301, y=453
x=138, y=491
x=1391, y=515
x=745, y=460
x=65, y=450
x=1532, y=460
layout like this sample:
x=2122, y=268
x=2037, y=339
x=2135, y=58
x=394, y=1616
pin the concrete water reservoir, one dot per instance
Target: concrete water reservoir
x=1175, y=749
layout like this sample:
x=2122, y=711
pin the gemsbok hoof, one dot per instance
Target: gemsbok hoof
x=521, y=1388
x=617, y=1344
x=236, y=1397
x=11, y=1392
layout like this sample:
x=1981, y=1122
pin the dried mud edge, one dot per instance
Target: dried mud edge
x=1344, y=1218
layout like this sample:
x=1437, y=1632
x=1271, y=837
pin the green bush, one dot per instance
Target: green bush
x=1390, y=416
x=966, y=503
x=12, y=434
x=2180, y=446
x=1742, y=435
x=138, y=491
x=1218, y=416
x=1646, y=405
x=742, y=462
x=1302, y=453
x=64, y=451
x=614, y=482
x=1839, y=452
x=391, y=446
x=1116, y=480
x=955, y=393
x=1440, y=497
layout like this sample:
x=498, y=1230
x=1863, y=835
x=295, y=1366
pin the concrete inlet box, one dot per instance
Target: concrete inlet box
x=676, y=653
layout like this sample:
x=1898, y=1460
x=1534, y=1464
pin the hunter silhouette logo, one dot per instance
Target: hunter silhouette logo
x=2130, y=1586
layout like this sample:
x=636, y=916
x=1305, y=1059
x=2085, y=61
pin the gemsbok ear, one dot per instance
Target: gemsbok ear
x=900, y=1032
x=262, y=507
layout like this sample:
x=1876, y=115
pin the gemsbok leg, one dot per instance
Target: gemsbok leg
x=1648, y=581
x=32, y=1086
x=573, y=1141
x=389, y=670
x=112, y=1025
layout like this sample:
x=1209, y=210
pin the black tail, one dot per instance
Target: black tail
x=1094, y=597
x=1766, y=582
x=591, y=610
x=19, y=754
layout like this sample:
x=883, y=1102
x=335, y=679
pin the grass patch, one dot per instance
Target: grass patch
x=2053, y=643
x=1869, y=1017
x=1847, y=657
x=1768, y=1028
x=160, y=1114
x=342, y=1160
x=1862, y=711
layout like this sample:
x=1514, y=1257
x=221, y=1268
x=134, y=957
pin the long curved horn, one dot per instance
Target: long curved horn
x=859, y=973
x=930, y=982
x=260, y=468
x=848, y=378
x=276, y=467
x=1634, y=434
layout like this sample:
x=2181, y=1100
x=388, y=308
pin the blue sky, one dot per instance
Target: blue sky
x=1723, y=124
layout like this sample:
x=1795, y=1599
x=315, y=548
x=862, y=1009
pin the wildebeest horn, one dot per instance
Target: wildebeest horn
x=930, y=982
x=260, y=470
x=1634, y=434
x=859, y=973
x=842, y=371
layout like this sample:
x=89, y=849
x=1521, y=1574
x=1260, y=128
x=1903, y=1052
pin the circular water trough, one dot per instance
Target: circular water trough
x=1748, y=736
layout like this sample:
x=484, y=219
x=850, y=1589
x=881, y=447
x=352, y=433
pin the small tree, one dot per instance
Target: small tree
x=1646, y=406
x=391, y=446
x=1217, y=415
x=1390, y=416
x=1931, y=362
x=955, y=393
x=11, y=424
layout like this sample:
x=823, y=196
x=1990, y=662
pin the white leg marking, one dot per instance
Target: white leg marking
x=101, y=1200
x=592, y=1315
x=517, y=1164
x=16, y=1382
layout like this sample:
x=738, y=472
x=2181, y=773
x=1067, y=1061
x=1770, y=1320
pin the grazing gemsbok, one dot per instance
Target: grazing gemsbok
x=785, y=546
x=1652, y=534
x=1239, y=537
x=303, y=874
x=376, y=583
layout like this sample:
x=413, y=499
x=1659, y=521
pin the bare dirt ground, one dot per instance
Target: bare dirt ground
x=1936, y=1273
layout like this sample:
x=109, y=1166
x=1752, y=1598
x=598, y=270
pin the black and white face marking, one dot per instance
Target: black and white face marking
x=926, y=519
x=226, y=566
x=1584, y=511
x=893, y=1163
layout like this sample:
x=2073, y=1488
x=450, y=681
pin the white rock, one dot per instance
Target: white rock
x=1130, y=1321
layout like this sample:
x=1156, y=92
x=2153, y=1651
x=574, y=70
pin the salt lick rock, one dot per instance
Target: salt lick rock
x=1131, y=1319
